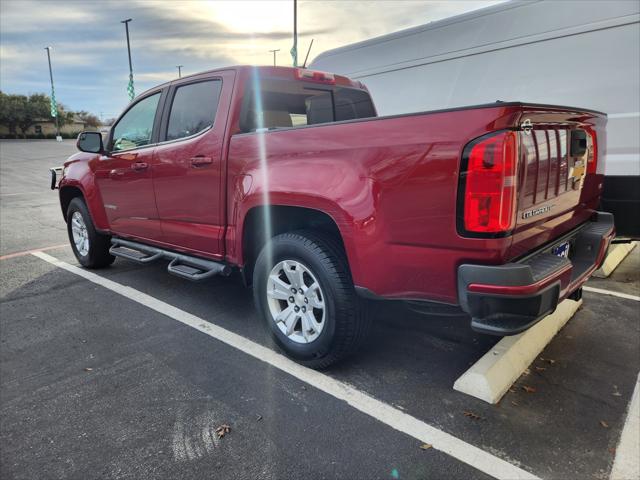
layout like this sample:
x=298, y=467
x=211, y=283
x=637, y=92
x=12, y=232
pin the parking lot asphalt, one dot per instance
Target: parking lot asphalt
x=95, y=385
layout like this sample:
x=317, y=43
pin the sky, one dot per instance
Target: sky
x=89, y=54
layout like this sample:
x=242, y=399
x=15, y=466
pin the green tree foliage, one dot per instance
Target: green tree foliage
x=12, y=108
x=88, y=118
x=34, y=107
x=21, y=111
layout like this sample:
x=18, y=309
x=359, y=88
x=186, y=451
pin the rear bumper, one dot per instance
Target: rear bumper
x=508, y=299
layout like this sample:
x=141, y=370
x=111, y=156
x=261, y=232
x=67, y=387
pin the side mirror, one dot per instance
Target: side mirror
x=90, y=142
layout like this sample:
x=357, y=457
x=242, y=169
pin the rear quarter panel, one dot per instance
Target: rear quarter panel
x=390, y=184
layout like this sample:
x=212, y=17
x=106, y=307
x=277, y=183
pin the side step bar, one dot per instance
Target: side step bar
x=185, y=266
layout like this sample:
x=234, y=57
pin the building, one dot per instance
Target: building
x=47, y=127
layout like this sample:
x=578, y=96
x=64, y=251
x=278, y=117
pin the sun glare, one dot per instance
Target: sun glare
x=252, y=16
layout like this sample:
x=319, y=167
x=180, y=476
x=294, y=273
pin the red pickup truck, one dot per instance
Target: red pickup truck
x=288, y=176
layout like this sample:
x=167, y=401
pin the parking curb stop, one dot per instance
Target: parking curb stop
x=491, y=376
x=615, y=255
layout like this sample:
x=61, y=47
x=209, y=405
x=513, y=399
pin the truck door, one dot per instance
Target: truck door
x=188, y=164
x=124, y=174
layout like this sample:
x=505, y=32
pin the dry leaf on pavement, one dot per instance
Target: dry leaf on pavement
x=222, y=430
x=472, y=415
x=426, y=446
x=528, y=389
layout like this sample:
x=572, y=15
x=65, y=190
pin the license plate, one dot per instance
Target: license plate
x=561, y=250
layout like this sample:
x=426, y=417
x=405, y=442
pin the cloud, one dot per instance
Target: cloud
x=24, y=16
x=89, y=54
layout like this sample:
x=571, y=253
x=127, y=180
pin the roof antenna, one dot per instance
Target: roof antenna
x=304, y=65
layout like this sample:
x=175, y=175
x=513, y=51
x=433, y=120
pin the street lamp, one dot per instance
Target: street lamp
x=274, y=55
x=179, y=67
x=130, y=88
x=54, y=105
x=294, y=50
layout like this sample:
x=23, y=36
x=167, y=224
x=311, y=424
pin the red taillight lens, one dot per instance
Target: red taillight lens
x=592, y=152
x=490, y=184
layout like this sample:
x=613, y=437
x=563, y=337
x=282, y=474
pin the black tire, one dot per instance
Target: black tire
x=346, y=322
x=98, y=255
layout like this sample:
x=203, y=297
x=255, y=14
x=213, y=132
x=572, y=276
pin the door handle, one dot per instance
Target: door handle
x=138, y=166
x=200, y=161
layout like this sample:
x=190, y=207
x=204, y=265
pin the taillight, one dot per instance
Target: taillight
x=315, y=76
x=488, y=184
x=592, y=152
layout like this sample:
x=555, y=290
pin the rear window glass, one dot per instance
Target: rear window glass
x=284, y=103
x=193, y=108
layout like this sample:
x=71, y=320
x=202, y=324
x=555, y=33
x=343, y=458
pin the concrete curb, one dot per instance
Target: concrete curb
x=491, y=376
x=615, y=255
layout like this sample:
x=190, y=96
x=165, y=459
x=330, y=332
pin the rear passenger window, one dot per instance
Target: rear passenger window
x=193, y=108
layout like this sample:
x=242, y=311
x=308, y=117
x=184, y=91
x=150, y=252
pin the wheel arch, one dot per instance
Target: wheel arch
x=71, y=188
x=67, y=194
x=280, y=219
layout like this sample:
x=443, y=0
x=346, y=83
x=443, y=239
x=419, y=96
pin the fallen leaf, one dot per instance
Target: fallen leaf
x=259, y=418
x=472, y=415
x=528, y=389
x=512, y=390
x=526, y=371
x=515, y=404
x=604, y=424
x=426, y=446
x=550, y=361
x=87, y=369
x=222, y=430
x=540, y=369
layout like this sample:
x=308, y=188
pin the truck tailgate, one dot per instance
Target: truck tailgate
x=558, y=179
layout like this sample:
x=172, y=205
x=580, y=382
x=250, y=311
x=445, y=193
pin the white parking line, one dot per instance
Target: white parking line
x=627, y=462
x=447, y=443
x=613, y=294
x=19, y=193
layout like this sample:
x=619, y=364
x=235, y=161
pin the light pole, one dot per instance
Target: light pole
x=54, y=105
x=179, y=67
x=274, y=55
x=294, y=50
x=130, y=88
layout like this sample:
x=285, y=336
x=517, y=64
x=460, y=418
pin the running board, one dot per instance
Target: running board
x=184, y=266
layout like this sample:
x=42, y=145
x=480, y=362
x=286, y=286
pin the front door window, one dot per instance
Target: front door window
x=135, y=127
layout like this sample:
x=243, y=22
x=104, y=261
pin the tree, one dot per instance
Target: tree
x=23, y=112
x=88, y=118
x=34, y=108
x=12, y=108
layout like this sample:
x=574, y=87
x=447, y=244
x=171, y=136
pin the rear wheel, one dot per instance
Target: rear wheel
x=304, y=291
x=90, y=247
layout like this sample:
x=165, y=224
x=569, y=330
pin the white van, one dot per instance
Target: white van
x=576, y=53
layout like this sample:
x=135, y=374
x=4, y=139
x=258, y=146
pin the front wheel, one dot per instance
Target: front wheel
x=90, y=247
x=303, y=290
